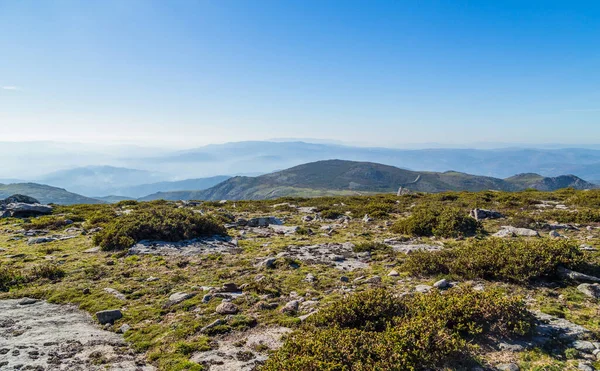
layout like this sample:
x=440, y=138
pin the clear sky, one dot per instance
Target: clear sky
x=189, y=72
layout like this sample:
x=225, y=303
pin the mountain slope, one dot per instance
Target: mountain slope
x=541, y=183
x=45, y=194
x=348, y=177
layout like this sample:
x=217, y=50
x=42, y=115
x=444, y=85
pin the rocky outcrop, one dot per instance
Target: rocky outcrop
x=23, y=210
x=508, y=231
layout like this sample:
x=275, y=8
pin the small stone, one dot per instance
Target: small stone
x=584, y=346
x=268, y=263
x=291, y=307
x=86, y=291
x=508, y=367
x=591, y=290
x=373, y=280
x=206, y=298
x=115, y=293
x=584, y=367
x=344, y=279
x=230, y=287
x=178, y=297
x=554, y=234
x=28, y=301
x=124, y=328
x=393, y=273
x=441, y=284
x=152, y=279
x=108, y=316
x=310, y=278
x=423, y=288
x=227, y=307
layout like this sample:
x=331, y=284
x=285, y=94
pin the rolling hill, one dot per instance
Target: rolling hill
x=46, y=194
x=349, y=177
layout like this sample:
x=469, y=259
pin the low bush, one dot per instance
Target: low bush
x=437, y=221
x=331, y=214
x=8, y=278
x=48, y=271
x=158, y=223
x=498, y=259
x=50, y=222
x=375, y=330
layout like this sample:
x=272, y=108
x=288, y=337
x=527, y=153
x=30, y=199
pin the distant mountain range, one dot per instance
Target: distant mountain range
x=321, y=178
x=350, y=177
x=111, y=168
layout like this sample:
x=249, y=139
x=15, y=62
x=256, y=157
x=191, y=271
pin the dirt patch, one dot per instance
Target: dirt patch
x=44, y=336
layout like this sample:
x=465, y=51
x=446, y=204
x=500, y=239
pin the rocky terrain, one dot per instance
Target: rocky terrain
x=148, y=285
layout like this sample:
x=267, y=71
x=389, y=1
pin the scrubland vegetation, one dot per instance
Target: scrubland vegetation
x=367, y=305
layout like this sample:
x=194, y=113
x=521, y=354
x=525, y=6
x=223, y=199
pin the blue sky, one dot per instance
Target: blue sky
x=184, y=73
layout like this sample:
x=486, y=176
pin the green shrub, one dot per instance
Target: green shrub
x=498, y=259
x=159, y=223
x=437, y=221
x=48, y=271
x=8, y=278
x=330, y=214
x=50, y=222
x=375, y=330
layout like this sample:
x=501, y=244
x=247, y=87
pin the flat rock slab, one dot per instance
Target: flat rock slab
x=59, y=337
x=229, y=355
x=340, y=256
x=197, y=246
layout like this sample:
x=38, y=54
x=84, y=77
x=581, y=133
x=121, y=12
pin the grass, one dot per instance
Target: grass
x=62, y=272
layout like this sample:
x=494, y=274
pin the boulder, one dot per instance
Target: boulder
x=108, y=316
x=264, y=221
x=17, y=198
x=508, y=231
x=576, y=276
x=480, y=214
x=22, y=210
x=227, y=307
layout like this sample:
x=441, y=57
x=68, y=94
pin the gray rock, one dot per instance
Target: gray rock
x=423, y=288
x=554, y=234
x=577, y=276
x=367, y=219
x=108, y=316
x=115, y=293
x=310, y=278
x=481, y=214
x=40, y=240
x=591, y=290
x=291, y=307
x=282, y=229
x=230, y=287
x=584, y=367
x=441, y=284
x=227, y=307
x=17, y=198
x=28, y=301
x=268, y=263
x=373, y=280
x=508, y=367
x=206, y=298
x=21, y=210
x=178, y=297
x=584, y=346
x=393, y=273
x=508, y=231
x=264, y=221
x=124, y=328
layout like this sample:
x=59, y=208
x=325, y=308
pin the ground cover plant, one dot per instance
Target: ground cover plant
x=359, y=300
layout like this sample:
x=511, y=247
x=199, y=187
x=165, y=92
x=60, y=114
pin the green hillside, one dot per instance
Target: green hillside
x=45, y=194
x=338, y=177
